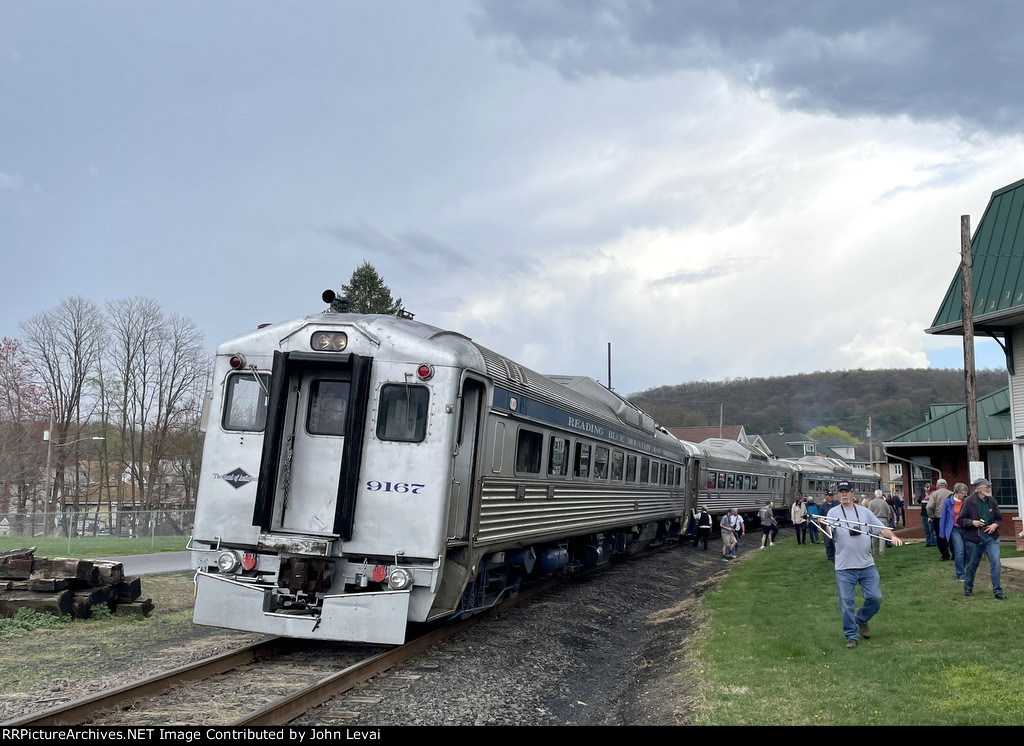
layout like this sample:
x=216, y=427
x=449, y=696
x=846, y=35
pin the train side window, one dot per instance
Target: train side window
x=498, y=454
x=558, y=457
x=617, y=457
x=529, y=450
x=664, y=474
x=746, y=481
x=730, y=481
x=654, y=472
x=679, y=476
x=402, y=414
x=712, y=480
x=600, y=462
x=328, y=403
x=630, y=468
x=581, y=466
x=753, y=482
x=245, y=402
x=721, y=480
x=645, y=469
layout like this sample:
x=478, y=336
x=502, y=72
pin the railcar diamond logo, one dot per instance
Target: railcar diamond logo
x=237, y=478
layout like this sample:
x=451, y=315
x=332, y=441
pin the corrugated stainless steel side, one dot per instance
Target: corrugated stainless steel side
x=579, y=508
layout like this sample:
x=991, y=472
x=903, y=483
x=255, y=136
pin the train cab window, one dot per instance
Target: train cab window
x=600, y=462
x=245, y=402
x=645, y=469
x=558, y=457
x=402, y=414
x=529, y=450
x=630, y=468
x=617, y=457
x=328, y=403
x=581, y=464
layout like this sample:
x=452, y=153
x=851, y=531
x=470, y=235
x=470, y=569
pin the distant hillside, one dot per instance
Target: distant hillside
x=894, y=399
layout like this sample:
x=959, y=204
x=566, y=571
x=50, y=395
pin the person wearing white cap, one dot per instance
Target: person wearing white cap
x=979, y=522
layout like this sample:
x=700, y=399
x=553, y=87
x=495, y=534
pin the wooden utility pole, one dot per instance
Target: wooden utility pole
x=970, y=393
x=609, y=366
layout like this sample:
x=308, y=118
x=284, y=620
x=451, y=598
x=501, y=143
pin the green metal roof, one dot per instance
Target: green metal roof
x=997, y=270
x=951, y=427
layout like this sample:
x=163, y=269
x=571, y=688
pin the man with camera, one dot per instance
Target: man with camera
x=852, y=527
x=979, y=523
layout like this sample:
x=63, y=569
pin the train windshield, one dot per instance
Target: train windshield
x=328, y=403
x=245, y=402
x=403, y=413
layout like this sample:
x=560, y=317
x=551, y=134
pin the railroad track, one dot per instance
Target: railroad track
x=127, y=704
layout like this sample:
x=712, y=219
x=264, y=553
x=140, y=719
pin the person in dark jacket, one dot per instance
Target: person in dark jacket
x=979, y=522
x=703, y=519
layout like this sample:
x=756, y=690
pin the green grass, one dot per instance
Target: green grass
x=773, y=652
x=93, y=546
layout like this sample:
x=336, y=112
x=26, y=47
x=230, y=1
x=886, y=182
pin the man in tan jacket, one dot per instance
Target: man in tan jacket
x=935, y=503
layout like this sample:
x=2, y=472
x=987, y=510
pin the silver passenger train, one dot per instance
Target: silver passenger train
x=362, y=472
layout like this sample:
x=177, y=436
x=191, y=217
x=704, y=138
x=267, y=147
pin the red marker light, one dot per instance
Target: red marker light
x=248, y=561
x=236, y=362
x=425, y=372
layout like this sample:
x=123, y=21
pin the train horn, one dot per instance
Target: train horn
x=338, y=303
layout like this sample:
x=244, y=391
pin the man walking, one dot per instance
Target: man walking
x=979, y=523
x=852, y=534
x=935, y=503
x=880, y=508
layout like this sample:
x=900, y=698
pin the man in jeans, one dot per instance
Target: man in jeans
x=852, y=527
x=979, y=523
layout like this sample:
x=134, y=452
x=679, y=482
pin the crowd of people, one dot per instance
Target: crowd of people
x=962, y=524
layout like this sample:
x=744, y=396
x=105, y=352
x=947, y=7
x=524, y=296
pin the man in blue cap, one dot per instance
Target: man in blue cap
x=852, y=527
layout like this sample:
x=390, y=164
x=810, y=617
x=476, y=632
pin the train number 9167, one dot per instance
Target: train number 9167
x=374, y=486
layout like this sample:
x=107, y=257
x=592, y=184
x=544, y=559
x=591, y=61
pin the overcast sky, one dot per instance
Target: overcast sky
x=719, y=189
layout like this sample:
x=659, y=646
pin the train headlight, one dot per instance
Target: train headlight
x=329, y=341
x=228, y=562
x=399, y=579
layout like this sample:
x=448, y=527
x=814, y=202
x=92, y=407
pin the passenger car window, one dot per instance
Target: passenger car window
x=582, y=464
x=600, y=463
x=558, y=457
x=245, y=402
x=328, y=403
x=402, y=414
x=529, y=449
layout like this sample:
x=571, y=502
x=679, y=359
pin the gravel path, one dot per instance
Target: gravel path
x=606, y=649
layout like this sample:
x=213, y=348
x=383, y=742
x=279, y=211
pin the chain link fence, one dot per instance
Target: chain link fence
x=91, y=525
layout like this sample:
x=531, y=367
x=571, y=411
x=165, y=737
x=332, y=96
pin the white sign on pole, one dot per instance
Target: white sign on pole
x=977, y=470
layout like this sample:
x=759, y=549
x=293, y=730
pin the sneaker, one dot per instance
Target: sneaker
x=771, y=543
x=865, y=631
x=1000, y=596
x=851, y=644
x=968, y=593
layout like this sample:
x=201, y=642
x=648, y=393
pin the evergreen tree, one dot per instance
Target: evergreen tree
x=367, y=293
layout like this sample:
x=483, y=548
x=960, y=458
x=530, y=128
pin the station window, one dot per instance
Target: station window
x=328, y=403
x=617, y=457
x=529, y=450
x=245, y=402
x=581, y=466
x=402, y=414
x=558, y=457
x=630, y=468
x=600, y=462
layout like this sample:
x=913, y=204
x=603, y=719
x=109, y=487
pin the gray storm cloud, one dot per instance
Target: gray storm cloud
x=935, y=61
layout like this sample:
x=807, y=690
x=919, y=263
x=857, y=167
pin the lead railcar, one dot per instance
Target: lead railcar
x=361, y=472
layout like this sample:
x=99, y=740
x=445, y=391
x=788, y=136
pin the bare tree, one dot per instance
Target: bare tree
x=63, y=347
x=22, y=414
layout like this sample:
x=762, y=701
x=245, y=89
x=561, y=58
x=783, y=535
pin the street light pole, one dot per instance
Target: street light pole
x=48, y=437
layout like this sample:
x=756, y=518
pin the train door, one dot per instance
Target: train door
x=313, y=444
x=464, y=457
